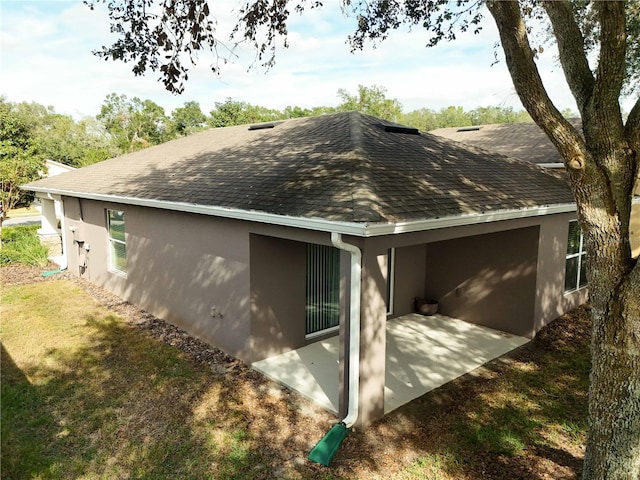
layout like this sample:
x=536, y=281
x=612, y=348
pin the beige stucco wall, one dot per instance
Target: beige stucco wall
x=278, y=274
x=186, y=269
x=487, y=279
x=237, y=285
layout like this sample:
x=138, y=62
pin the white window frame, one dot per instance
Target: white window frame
x=580, y=255
x=112, y=261
x=391, y=273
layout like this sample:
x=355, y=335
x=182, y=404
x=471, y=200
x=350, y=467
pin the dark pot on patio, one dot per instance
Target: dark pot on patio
x=425, y=306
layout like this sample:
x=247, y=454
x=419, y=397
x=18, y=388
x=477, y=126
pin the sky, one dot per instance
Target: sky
x=46, y=57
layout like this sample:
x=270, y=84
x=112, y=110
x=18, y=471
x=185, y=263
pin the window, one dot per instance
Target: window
x=323, y=290
x=575, y=276
x=117, y=242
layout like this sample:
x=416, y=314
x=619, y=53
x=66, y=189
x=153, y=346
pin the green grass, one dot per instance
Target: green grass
x=85, y=395
x=21, y=244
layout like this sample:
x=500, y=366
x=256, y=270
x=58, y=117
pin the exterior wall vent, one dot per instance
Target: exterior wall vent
x=468, y=129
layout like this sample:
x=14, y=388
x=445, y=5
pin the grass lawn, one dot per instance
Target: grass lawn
x=87, y=394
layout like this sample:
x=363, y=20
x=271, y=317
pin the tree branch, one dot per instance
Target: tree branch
x=528, y=84
x=611, y=65
x=571, y=50
x=632, y=128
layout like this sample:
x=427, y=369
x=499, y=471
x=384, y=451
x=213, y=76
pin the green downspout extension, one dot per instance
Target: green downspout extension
x=329, y=445
x=325, y=449
x=52, y=272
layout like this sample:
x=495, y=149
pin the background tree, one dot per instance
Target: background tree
x=232, y=112
x=134, y=124
x=20, y=161
x=60, y=138
x=372, y=101
x=188, y=119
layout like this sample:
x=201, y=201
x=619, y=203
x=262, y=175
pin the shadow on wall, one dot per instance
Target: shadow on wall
x=186, y=270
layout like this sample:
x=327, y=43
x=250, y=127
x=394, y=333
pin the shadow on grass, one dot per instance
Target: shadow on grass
x=124, y=405
x=27, y=426
x=523, y=416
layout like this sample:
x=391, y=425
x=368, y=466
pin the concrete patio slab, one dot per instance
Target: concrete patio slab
x=422, y=354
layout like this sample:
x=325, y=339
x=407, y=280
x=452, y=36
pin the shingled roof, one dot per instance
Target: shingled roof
x=524, y=140
x=345, y=167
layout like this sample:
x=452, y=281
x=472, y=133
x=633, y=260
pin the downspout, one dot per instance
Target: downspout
x=63, y=227
x=354, y=327
x=328, y=446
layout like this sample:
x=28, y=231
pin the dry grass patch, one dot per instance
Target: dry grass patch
x=87, y=395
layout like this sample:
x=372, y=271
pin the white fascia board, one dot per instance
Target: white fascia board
x=466, y=219
x=358, y=229
x=551, y=165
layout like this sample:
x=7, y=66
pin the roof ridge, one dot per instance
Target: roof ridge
x=365, y=202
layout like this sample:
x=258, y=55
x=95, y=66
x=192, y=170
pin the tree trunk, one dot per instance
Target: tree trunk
x=602, y=166
x=613, y=442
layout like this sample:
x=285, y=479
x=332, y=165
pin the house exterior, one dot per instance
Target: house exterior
x=261, y=239
x=528, y=142
x=52, y=214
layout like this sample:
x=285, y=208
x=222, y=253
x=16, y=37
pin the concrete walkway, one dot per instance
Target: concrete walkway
x=422, y=354
x=27, y=220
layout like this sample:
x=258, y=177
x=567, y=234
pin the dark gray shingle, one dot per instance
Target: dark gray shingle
x=343, y=167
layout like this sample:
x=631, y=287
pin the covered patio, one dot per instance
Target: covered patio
x=422, y=353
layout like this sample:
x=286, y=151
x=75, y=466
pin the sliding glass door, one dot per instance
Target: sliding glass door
x=323, y=290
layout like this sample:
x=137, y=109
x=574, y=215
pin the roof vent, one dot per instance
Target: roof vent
x=264, y=126
x=468, y=129
x=395, y=128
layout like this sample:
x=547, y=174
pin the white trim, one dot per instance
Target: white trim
x=112, y=261
x=551, y=165
x=321, y=333
x=580, y=255
x=358, y=229
x=391, y=270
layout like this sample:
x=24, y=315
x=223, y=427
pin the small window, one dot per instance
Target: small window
x=575, y=267
x=117, y=242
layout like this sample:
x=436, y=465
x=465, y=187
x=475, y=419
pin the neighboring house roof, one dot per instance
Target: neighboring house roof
x=56, y=168
x=525, y=141
x=346, y=167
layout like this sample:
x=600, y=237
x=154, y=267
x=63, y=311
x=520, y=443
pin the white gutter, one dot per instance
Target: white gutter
x=354, y=328
x=551, y=165
x=358, y=229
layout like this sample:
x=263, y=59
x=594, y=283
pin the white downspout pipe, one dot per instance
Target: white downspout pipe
x=63, y=227
x=354, y=328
